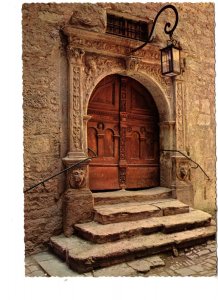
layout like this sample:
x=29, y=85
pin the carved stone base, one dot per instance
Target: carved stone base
x=182, y=186
x=78, y=207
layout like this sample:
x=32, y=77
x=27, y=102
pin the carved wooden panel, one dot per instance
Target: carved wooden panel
x=93, y=140
x=108, y=143
x=124, y=130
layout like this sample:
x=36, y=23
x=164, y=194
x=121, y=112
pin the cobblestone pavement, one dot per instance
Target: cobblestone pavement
x=196, y=261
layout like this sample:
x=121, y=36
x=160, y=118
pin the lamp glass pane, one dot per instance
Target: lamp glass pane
x=166, y=59
x=176, y=61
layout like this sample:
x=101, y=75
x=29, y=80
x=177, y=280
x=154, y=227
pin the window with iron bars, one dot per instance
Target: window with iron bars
x=137, y=30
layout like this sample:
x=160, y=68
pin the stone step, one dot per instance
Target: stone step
x=53, y=266
x=83, y=256
x=132, y=211
x=99, y=233
x=123, y=196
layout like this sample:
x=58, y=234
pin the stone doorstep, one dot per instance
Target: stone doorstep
x=99, y=233
x=128, y=196
x=83, y=256
x=132, y=211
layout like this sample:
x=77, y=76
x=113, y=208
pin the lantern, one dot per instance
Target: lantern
x=170, y=60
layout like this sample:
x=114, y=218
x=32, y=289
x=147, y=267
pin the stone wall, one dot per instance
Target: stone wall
x=45, y=100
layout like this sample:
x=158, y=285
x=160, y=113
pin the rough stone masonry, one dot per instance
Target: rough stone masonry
x=45, y=97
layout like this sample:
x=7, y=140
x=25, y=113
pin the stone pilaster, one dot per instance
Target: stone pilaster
x=75, y=112
x=180, y=113
x=167, y=129
x=181, y=183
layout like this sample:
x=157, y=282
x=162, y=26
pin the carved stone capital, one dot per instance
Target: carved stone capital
x=75, y=55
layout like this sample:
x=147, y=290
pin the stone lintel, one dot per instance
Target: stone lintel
x=108, y=44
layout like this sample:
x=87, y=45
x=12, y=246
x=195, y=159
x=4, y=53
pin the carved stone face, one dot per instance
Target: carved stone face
x=78, y=178
x=183, y=171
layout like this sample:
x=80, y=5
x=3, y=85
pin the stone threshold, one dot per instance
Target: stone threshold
x=122, y=196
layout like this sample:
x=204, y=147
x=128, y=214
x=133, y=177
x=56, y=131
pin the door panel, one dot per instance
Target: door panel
x=104, y=109
x=124, y=133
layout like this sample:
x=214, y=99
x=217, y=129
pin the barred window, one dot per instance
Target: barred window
x=137, y=30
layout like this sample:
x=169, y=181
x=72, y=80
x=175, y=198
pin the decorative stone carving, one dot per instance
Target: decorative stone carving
x=76, y=145
x=77, y=179
x=78, y=201
x=183, y=171
x=132, y=64
x=75, y=55
x=96, y=43
x=180, y=128
x=91, y=66
x=96, y=67
x=154, y=72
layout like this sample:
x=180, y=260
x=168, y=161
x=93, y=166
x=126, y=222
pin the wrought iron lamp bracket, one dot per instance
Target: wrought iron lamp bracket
x=167, y=28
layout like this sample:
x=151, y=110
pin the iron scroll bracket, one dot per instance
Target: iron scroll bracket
x=167, y=28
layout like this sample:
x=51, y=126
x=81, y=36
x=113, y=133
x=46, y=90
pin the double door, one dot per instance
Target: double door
x=123, y=131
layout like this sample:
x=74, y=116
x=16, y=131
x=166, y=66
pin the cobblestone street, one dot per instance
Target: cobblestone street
x=196, y=261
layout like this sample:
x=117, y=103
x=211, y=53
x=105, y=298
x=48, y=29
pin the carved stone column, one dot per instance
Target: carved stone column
x=180, y=114
x=77, y=200
x=181, y=181
x=75, y=108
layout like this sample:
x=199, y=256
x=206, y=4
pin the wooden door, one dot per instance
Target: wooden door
x=123, y=131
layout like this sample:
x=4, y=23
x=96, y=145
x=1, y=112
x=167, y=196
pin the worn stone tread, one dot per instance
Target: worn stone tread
x=53, y=266
x=172, y=207
x=114, y=213
x=123, y=196
x=84, y=256
x=110, y=232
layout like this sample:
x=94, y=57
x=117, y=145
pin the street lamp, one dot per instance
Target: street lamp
x=170, y=60
x=170, y=55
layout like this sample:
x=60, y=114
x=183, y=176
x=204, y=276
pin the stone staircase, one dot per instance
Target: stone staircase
x=129, y=225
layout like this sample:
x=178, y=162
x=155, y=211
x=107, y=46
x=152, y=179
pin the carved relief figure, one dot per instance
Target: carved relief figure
x=132, y=64
x=77, y=179
x=183, y=171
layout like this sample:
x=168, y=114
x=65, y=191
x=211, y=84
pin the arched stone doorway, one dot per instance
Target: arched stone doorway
x=123, y=131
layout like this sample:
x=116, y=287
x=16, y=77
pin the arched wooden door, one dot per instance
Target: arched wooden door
x=123, y=131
